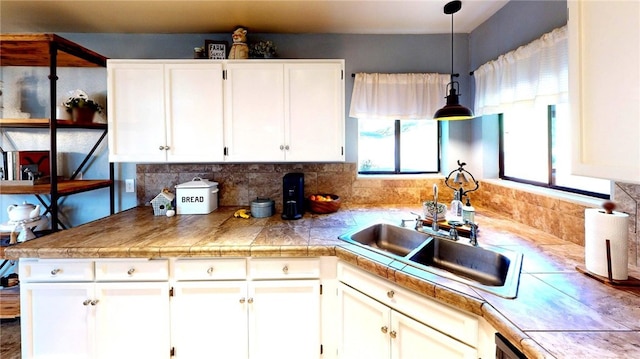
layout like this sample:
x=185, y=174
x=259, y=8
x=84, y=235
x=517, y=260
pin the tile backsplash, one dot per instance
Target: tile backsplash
x=239, y=184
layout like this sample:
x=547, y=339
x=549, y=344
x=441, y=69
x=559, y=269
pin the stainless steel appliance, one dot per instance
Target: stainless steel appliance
x=293, y=196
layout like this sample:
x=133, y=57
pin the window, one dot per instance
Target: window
x=535, y=148
x=397, y=146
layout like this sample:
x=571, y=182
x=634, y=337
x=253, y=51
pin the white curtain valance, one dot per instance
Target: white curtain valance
x=398, y=96
x=533, y=73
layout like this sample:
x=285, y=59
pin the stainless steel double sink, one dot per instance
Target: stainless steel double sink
x=495, y=270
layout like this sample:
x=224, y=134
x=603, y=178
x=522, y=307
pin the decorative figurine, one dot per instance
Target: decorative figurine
x=239, y=49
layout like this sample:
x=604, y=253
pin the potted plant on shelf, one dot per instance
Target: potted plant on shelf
x=81, y=107
x=262, y=49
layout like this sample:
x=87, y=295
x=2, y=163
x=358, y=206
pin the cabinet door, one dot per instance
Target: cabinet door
x=194, y=115
x=132, y=320
x=604, y=52
x=315, y=112
x=136, y=112
x=284, y=319
x=209, y=320
x=409, y=337
x=56, y=321
x=254, y=111
x=364, y=331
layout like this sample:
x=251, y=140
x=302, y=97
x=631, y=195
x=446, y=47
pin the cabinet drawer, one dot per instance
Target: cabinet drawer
x=44, y=270
x=437, y=315
x=209, y=269
x=132, y=270
x=284, y=268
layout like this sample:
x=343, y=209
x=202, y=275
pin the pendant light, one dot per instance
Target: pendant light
x=453, y=110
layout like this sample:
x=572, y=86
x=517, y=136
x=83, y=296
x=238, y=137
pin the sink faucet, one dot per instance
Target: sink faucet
x=473, y=235
x=418, y=221
x=434, y=223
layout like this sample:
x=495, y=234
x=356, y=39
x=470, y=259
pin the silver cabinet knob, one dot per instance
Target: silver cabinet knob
x=393, y=334
x=384, y=329
x=281, y=147
x=166, y=148
x=56, y=271
x=286, y=147
x=210, y=270
x=390, y=294
x=94, y=302
x=285, y=269
x=242, y=300
x=161, y=148
x=250, y=300
x=86, y=302
x=130, y=271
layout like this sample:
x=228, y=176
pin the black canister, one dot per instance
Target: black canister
x=262, y=207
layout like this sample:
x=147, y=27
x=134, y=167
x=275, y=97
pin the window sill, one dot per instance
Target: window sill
x=552, y=193
x=400, y=177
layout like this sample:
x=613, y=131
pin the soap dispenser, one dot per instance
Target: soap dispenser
x=468, y=212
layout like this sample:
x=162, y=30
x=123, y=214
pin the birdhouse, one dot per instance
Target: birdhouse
x=162, y=202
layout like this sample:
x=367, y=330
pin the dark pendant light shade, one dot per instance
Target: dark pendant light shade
x=453, y=110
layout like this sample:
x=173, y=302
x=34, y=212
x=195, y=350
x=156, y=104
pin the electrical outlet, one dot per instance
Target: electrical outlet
x=129, y=185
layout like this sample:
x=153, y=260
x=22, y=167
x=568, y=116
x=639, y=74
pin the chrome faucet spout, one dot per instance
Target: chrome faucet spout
x=434, y=223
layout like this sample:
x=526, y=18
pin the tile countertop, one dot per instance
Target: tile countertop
x=558, y=313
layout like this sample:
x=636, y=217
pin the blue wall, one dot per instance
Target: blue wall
x=475, y=142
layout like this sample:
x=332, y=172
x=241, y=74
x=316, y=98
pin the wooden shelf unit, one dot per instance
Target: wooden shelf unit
x=53, y=51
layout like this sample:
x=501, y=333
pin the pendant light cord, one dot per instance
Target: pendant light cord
x=451, y=77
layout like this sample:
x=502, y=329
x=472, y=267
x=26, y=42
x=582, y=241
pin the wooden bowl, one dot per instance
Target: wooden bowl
x=324, y=207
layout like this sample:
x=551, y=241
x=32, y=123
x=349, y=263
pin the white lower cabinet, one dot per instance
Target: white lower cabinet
x=370, y=329
x=379, y=319
x=62, y=318
x=219, y=310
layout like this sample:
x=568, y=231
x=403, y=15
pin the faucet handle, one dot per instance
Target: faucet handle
x=418, y=221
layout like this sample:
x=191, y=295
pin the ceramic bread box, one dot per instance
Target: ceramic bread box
x=199, y=196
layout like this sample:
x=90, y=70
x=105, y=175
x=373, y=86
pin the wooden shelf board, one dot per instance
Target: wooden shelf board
x=64, y=187
x=33, y=50
x=44, y=123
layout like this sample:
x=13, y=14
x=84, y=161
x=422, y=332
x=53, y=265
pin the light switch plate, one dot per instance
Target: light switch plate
x=129, y=185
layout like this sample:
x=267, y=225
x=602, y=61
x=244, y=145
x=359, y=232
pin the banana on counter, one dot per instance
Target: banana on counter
x=242, y=213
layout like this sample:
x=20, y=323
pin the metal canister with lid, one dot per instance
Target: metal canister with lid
x=262, y=207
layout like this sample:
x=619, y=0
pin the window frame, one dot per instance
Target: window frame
x=398, y=155
x=550, y=180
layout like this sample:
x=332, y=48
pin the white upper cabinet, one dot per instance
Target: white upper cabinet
x=254, y=111
x=264, y=111
x=315, y=111
x=279, y=111
x=165, y=111
x=604, y=74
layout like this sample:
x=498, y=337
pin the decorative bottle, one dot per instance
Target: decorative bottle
x=456, y=207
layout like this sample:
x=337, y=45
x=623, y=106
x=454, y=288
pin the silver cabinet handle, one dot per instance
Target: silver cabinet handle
x=130, y=271
x=94, y=302
x=286, y=147
x=161, y=148
x=281, y=147
x=166, y=148
x=250, y=300
x=242, y=300
x=55, y=271
x=393, y=334
x=390, y=294
x=285, y=269
x=210, y=270
x=86, y=302
x=384, y=329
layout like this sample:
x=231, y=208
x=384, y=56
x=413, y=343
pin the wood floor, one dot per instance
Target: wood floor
x=10, y=338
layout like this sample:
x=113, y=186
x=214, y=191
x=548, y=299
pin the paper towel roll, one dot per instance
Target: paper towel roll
x=598, y=227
